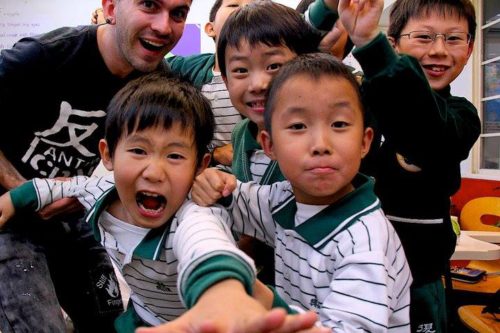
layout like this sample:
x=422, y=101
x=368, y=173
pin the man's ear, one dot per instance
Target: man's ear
x=209, y=29
x=108, y=9
x=105, y=155
x=367, y=141
x=203, y=164
x=267, y=144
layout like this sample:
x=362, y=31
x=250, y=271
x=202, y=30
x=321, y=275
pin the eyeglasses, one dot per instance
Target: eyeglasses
x=427, y=38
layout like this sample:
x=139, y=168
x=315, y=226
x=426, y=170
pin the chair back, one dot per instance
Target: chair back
x=470, y=216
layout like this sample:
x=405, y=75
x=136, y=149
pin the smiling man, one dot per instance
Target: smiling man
x=62, y=82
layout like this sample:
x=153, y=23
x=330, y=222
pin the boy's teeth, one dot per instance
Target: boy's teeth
x=151, y=201
x=436, y=68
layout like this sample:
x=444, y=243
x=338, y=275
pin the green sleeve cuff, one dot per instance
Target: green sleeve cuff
x=322, y=17
x=376, y=56
x=278, y=302
x=24, y=196
x=214, y=270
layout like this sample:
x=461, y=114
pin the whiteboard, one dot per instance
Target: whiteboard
x=23, y=18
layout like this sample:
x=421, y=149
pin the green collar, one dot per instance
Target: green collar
x=149, y=248
x=319, y=229
x=241, y=161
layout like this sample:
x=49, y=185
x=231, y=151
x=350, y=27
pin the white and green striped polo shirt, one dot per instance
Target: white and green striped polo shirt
x=346, y=262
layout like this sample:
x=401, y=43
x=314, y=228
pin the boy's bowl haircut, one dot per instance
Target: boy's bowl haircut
x=269, y=23
x=159, y=99
x=314, y=65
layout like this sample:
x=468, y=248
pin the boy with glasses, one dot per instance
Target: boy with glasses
x=427, y=131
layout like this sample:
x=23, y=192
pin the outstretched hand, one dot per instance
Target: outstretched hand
x=7, y=209
x=361, y=19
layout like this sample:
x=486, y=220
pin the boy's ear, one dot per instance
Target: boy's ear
x=209, y=29
x=392, y=41
x=267, y=144
x=367, y=141
x=203, y=164
x=224, y=78
x=105, y=155
x=470, y=49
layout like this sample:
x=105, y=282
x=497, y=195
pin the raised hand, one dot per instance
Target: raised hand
x=361, y=19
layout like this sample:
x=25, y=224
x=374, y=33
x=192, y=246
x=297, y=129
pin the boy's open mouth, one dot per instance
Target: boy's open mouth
x=151, y=202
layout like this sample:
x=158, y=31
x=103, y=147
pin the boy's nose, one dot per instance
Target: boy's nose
x=259, y=83
x=154, y=172
x=438, y=47
x=321, y=142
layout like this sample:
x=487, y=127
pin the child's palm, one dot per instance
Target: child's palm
x=361, y=18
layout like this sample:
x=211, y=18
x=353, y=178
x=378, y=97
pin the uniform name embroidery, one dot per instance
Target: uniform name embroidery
x=425, y=328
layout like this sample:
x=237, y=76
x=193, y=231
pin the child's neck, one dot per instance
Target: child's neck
x=117, y=210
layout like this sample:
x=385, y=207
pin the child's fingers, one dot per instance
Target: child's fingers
x=229, y=186
x=268, y=323
x=301, y=322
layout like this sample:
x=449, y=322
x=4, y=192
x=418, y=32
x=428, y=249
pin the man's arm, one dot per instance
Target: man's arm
x=9, y=176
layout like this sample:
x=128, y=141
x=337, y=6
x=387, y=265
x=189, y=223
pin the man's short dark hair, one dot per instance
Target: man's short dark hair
x=314, y=65
x=404, y=10
x=268, y=23
x=158, y=99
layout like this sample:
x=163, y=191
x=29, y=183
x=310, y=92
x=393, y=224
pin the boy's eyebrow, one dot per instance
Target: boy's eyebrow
x=137, y=138
x=430, y=28
x=336, y=105
x=270, y=52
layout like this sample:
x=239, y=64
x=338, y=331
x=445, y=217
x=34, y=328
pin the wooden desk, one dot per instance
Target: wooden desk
x=489, y=285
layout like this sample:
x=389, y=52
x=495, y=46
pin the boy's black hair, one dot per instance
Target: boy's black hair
x=213, y=11
x=269, y=23
x=404, y=10
x=158, y=99
x=314, y=65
